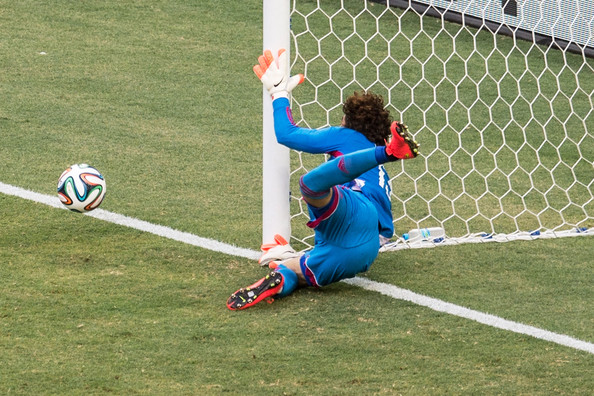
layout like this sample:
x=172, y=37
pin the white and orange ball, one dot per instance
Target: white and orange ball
x=81, y=188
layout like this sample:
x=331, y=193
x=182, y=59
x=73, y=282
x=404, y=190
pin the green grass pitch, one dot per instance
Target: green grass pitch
x=160, y=97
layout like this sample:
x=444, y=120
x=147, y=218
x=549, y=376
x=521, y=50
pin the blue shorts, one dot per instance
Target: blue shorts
x=346, y=238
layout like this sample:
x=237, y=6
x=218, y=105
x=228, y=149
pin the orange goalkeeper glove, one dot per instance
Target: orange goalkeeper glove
x=275, y=74
x=278, y=251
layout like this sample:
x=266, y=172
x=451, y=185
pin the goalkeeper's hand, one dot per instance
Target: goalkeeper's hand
x=275, y=74
x=278, y=251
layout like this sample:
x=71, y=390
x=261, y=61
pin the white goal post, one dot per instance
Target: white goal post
x=506, y=126
x=275, y=158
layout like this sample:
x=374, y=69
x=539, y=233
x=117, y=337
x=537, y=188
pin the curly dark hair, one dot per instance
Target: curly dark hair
x=365, y=113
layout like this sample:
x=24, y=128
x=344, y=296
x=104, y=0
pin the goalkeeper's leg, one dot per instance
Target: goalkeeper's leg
x=316, y=185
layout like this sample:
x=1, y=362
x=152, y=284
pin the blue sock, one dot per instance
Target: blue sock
x=291, y=280
x=341, y=170
x=380, y=155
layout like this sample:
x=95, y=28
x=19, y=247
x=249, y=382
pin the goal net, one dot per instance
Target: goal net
x=505, y=125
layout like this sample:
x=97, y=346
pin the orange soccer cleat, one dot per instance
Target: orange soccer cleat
x=402, y=145
x=266, y=287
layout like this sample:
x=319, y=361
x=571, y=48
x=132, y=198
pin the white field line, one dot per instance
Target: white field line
x=137, y=224
x=383, y=288
x=456, y=310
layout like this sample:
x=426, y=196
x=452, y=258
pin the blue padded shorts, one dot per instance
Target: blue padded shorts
x=346, y=238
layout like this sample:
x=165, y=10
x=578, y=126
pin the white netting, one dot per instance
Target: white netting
x=505, y=125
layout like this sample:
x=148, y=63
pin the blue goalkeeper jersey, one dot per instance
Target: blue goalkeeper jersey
x=336, y=141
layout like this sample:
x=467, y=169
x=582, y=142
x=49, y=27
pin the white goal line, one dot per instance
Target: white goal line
x=383, y=288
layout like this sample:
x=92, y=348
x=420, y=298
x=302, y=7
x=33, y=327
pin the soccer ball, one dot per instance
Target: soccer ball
x=81, y=188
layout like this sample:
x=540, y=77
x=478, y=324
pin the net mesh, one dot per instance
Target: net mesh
x=504, y=124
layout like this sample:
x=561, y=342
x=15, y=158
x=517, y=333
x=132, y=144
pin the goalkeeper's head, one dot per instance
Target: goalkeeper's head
x=365, y=113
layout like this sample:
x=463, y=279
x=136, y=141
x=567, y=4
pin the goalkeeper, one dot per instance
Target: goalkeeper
x=348, y=197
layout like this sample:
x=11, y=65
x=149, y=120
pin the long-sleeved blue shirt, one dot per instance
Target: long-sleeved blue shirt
x=336, y=141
